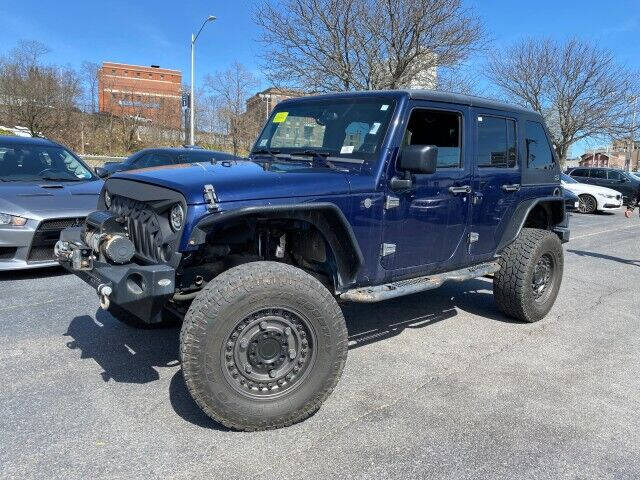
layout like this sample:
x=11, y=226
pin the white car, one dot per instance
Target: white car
x=592, y=197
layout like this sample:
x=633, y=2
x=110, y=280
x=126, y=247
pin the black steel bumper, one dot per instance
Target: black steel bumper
x=142, y=290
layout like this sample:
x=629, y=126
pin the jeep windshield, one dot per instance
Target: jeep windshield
x=34, y=163
x=346, y=130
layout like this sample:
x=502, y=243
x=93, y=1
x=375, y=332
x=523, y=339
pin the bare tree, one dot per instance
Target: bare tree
x=40, y=97
x=578, y=87
x=89, y=74
x=232, y=88
x=336, y=45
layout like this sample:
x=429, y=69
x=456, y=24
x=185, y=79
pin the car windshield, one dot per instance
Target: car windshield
x=340, y=129
x=27, y=162
x=567, y=179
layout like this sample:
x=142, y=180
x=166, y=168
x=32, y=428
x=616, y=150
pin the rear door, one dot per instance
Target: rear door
x=496, y=178
x=598, y=176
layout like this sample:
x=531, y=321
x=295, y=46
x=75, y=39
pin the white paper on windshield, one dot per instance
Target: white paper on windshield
x=384, y=108
x=374, y=128
x=346, y=149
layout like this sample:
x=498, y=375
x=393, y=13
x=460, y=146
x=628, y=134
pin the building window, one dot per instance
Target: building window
x=113, y=70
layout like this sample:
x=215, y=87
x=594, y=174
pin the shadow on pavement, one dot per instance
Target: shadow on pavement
x=125, y=354
x=584, y=253
x=131, y=355
x=33, y=273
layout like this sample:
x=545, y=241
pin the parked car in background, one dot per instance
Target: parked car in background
x=624, y=182
x=157, y=157
x=571, y=200
x=592, y=197
x=44, y=188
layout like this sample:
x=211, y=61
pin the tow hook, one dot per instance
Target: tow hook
x=103, y=293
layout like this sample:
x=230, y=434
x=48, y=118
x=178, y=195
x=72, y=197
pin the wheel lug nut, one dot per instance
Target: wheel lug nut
x=263, y=325
x=247, y=369
x=272, y=373
x=244, y=343
x=292, y=354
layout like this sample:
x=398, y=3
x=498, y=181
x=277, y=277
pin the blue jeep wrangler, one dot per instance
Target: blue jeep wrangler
x=354, y=197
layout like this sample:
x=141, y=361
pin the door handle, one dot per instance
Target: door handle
x=514, y=187
x=462, y=189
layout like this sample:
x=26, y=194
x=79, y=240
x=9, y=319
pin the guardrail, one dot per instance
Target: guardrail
x=99, y=160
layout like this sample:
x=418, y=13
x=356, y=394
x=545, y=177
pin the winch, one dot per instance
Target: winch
x=104, y=235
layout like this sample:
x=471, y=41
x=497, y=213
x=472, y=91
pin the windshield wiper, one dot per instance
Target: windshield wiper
x=267, y=151
x=322, y=156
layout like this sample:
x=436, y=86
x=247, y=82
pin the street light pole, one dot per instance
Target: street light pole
x=210, y=18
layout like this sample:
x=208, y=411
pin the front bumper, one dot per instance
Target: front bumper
x=141, y=290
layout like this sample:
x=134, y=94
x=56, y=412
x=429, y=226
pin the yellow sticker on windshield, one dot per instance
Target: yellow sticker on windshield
x=280, y=117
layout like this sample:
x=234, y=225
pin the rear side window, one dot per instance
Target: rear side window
x=496, y=142
x=580, y=172
x=439, y=128
x=598, y=173
x=614, y=175
x=539, y=156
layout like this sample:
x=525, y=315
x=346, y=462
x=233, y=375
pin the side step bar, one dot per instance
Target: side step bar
x=414, y=285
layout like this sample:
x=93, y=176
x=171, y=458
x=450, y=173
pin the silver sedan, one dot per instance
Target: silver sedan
x=44, y=188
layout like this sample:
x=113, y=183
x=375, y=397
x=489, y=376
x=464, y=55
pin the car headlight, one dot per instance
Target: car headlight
x=176, y=217
x=6, y=219
x=107, y=198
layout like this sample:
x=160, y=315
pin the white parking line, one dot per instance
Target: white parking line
x=604, y=231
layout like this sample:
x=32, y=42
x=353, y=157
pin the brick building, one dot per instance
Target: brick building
x=150, y=93
x=262, y=103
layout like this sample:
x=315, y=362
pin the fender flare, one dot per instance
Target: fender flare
x=520, y=215
x=326, y=217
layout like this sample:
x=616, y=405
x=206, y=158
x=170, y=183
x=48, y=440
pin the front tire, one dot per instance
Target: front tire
x=527, y=284
x=262, y=346
x=587, y=204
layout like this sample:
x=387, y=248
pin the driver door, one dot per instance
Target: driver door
x=425, y=226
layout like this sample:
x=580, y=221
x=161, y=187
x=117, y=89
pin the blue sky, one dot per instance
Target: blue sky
x=146, y=32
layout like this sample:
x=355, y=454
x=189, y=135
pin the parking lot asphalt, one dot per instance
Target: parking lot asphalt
x=437, y=385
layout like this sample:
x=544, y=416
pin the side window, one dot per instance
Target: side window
x=539, y=156
x=496, y=142
x=598, y=173
x=614, y=175
x=439, y=128
x=580, y=172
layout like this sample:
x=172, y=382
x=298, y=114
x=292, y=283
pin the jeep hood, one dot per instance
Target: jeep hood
x=243, y=180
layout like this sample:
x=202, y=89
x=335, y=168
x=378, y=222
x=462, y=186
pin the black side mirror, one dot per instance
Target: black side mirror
x=102, y=172
x=419, y=158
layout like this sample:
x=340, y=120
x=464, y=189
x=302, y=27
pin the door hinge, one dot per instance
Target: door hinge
x=387, y=249
x=391, y=202
x=211, y=198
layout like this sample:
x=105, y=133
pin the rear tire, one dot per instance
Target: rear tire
x=527, y=284
x=262, y=346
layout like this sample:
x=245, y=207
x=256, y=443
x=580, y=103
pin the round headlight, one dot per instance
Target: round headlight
x=176, y=217
x=107, y=198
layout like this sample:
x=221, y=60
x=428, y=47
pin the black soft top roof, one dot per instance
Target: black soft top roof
x=432, y=95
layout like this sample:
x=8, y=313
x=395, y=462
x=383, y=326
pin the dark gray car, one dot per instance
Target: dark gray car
x=163, y=156
x=44, y=188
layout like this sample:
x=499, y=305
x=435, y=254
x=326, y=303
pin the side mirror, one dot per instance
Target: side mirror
x=102, y=172
x=419, y=158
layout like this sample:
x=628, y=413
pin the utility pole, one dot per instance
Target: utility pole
x=210, y=18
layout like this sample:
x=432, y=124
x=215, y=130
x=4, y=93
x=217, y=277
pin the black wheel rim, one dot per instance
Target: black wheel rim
x=543, y=275
x=269, y=353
